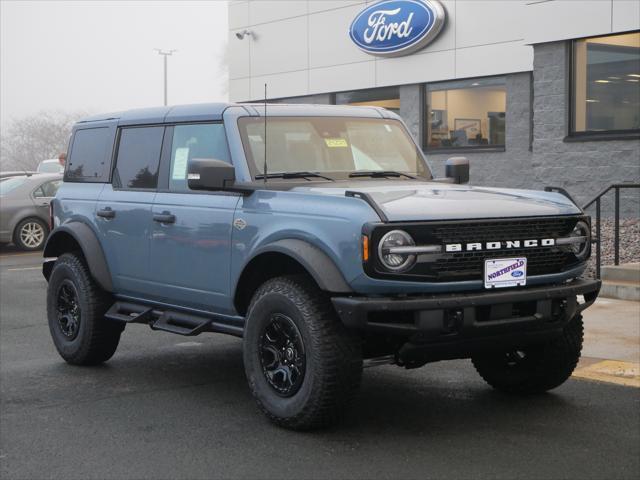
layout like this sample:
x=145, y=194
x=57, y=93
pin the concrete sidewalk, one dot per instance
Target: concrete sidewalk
x=611, y=351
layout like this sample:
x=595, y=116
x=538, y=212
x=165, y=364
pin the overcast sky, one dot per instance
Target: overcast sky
x=98, y=56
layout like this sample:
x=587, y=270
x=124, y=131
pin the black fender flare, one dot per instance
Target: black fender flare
x=58, y=243
x=319, y=265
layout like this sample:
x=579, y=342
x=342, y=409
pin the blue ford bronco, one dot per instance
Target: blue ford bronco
x=318, y=235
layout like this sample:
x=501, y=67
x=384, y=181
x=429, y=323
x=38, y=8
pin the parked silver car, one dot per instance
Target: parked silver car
x=24, y=209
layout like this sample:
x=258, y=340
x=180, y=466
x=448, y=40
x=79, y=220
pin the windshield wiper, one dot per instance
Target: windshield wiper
x=380, y=174
x=287, y=175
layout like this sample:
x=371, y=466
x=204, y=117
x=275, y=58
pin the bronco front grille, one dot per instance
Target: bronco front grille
x=504, y=230
x=469, y=265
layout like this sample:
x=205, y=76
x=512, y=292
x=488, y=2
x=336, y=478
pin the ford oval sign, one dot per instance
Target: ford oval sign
x=397, y=27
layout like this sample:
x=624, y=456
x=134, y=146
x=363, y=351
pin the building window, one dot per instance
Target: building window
x=467, y=114
x=387, y=97
x=606, y=84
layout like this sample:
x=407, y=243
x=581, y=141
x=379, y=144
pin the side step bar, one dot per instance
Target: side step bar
x=171, y=321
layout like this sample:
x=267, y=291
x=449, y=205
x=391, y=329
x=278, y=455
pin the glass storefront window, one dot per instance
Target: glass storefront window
x=386, y=97
x=467, y=114
x=606, y=84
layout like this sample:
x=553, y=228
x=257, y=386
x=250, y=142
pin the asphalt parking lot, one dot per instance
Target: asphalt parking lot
x=168, y=406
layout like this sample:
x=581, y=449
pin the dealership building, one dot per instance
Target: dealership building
x=533, y=93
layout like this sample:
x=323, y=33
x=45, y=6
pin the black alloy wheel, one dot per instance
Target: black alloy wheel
x=68, y=309
x=282, y=355
x=75, y=312
x=302, y=365
x=534, y=368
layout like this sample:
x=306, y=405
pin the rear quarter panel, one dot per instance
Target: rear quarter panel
x=76, y=202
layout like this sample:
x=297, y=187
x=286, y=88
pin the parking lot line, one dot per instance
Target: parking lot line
x=24, y=268
x=11, y=255
x=611, y=371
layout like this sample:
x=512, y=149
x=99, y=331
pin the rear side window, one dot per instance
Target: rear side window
x=88, y=154
x=48, y=189
x=138, y=158
x=207, y=140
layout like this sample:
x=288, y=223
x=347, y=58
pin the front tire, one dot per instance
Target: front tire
x=30, y=234
x=75, y=309
x=534, y=369
x=302, y=365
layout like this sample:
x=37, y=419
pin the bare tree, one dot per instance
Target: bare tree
x=29, y=140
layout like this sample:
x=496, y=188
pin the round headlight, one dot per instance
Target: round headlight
x=396, y=261
x=581, y=249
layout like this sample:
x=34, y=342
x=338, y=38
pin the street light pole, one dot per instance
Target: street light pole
x=165, y=54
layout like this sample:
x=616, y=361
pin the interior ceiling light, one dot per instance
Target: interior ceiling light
x=591, y=100
x=637, y=75
x=475, y=84
x=603, y=81
x=632, y=80
x=614, y=78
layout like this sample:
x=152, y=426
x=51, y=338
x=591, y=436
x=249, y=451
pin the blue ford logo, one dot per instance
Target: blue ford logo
x=516, y=273
x=397, y=27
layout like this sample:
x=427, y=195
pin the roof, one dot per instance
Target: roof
x=214, y=111
x=202, y=111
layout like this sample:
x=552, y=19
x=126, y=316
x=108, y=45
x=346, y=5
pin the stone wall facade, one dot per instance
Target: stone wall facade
x=537, y=152
x=583, y=168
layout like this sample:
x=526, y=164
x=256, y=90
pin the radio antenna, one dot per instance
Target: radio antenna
x=265, y=134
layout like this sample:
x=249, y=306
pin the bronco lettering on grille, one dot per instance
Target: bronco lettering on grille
x=460, y=247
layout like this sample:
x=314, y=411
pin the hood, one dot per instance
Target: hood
x=408, y=200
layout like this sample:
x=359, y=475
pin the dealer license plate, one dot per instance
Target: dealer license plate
x=505, y=272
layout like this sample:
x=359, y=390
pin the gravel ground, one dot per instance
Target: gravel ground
x=629, y=243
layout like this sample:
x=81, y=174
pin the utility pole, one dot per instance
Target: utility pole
x=165, y=54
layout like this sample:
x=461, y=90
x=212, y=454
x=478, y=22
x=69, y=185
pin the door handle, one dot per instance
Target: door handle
x=164, y=217
x=106, y=213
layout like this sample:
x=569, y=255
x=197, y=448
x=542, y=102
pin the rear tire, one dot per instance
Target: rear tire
x=75, y=308
x=534, y=369
x=303, y=366
x=30, y=234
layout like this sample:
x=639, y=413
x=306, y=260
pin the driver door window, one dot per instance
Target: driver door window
x=206, y=140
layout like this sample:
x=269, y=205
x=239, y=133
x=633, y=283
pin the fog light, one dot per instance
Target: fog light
x=453, y=320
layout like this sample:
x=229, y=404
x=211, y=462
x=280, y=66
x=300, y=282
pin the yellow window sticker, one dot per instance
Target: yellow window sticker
x=336, y=142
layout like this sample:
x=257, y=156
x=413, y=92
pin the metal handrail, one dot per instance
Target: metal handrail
x=616, y=229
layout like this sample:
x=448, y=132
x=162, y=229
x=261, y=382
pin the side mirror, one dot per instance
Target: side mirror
x=210, y=174
x=457, y=169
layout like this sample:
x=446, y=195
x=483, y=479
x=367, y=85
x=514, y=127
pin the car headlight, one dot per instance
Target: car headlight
x=581, y=248
x=390, y=251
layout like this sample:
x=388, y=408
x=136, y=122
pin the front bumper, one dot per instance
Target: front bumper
x=442, y=326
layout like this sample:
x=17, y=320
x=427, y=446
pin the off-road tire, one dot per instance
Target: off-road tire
x=97, y=338
x=333, y=355
x=543, y=367
x=18, y=232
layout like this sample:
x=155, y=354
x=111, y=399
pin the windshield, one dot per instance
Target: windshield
x=334, y=146
x=11, y=183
